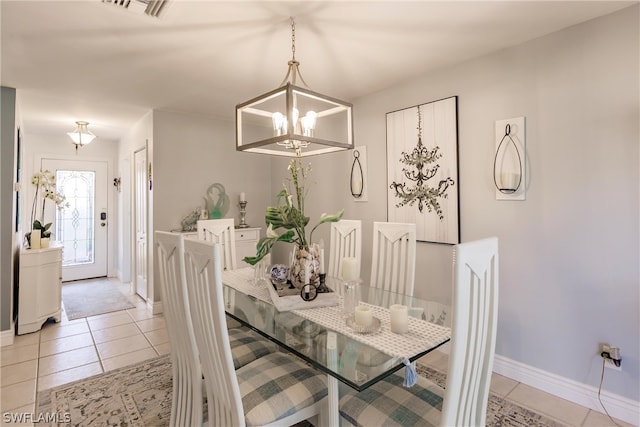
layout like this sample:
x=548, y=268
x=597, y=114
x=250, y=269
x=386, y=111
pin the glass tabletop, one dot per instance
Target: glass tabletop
x=359, y=362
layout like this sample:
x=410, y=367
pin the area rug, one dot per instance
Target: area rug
x=92, y=297
x=140, y=396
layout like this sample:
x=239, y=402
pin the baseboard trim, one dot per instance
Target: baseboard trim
x=583, y=394
x=7, y=337
x=155, y=306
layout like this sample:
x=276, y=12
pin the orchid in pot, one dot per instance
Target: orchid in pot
x=45, y=183
x=288, y=215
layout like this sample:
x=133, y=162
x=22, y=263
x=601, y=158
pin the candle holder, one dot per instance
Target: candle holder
x=322, y=287
x=243, y=214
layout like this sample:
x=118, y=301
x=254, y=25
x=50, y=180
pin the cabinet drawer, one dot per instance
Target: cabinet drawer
x=243, y=235
x=35, y=257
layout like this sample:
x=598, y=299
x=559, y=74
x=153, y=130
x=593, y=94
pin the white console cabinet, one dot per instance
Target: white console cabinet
x=246, y=241
x=39, y=288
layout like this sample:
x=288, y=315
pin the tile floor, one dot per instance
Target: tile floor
x=72, y=350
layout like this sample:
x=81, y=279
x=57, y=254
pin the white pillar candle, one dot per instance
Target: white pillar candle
x=509, y=180
x=363, y=316
x=321, y=261
x=350, y=269
x=399, y=315
x=243, y=197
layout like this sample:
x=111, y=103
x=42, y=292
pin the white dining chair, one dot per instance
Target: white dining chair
x=473, y=335
x=346, y=241
x=220, y=231
x=247, y=346
x=276, y=389
x=393, y=258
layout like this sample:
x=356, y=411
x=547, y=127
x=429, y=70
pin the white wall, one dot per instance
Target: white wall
x=38, y=146
x=570, y=252
x=192, y=152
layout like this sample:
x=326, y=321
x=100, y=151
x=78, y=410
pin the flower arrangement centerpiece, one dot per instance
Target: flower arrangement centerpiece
x=288, y=215
x=45, y=183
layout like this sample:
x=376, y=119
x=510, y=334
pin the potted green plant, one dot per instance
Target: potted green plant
x=288, y=215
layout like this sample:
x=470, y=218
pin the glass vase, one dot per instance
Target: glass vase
x=305, y=262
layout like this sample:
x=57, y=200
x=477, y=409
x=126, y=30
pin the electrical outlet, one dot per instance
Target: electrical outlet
x=608, y=363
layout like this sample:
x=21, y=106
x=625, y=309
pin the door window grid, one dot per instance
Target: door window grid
x=75, y=223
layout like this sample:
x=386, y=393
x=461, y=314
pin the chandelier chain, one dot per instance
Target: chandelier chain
x=293, y=39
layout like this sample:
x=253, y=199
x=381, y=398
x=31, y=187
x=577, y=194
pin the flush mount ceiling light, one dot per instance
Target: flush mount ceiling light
x=292, y=120
x=81, y=135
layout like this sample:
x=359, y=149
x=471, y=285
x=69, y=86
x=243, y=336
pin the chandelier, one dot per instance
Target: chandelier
x=293, y=120
x=81, y=135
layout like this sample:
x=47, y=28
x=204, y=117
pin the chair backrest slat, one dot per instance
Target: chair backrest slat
x=205, y=290
x=346, y=241
x=393, y=259
x=475, y=310
x=220, y=231
x=186, y=408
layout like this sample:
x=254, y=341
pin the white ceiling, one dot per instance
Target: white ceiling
x=88, y=60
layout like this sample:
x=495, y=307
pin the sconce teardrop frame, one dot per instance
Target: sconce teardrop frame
x=509, y=162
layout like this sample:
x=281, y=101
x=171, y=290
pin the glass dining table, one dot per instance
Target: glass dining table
x=321, y=335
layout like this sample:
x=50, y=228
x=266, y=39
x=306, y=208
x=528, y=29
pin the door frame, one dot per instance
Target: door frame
x=112, y=267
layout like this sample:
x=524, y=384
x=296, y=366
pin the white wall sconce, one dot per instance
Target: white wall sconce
x=81, y=135
x=509, y=171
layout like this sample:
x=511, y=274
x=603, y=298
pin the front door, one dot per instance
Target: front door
x=82, y=225
x=140, y=218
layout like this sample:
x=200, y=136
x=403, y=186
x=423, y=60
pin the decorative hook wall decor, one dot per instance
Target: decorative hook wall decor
x=509, y=162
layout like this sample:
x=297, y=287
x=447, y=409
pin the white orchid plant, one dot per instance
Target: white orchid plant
x=45, y=183
x=288, y=214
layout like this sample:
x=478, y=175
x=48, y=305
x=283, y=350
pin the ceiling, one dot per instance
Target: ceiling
x=94, y=61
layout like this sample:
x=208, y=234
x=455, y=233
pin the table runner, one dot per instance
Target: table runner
x=422, y=335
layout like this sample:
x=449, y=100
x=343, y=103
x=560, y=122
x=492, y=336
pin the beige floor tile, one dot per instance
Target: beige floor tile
x=596, y=419
x=18, y=394
x=27, y=339
x=18, y=372
x=128, y=359
x=61, y=345
x=141, y=314
x=163, y=348
x=116, y=332
x=11, y=354
x=103, y=322
x=69, y=359
x=502, y=385
x=19, y=417
x=151, y=324
x=69, y=375
x=560, y=409
x=58, y=330
x=120, y=346
x=158, y=336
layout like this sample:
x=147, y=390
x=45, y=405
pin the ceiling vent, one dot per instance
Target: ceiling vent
x=152, y=8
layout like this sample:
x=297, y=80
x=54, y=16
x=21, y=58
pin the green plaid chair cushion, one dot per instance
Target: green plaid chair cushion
x=278, y=385
x=387, y=403
x=247, y=346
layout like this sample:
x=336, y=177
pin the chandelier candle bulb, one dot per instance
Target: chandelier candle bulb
x=399, y=315
x=350, y=269
x=363, y=316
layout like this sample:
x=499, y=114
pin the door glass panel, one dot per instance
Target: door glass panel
x=75, y=223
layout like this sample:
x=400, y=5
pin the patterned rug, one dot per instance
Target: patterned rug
x=140, y=395
x=92, y=297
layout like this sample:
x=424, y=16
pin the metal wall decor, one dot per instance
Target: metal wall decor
x=509, y=171
x=358, y=185
x=422, y=171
